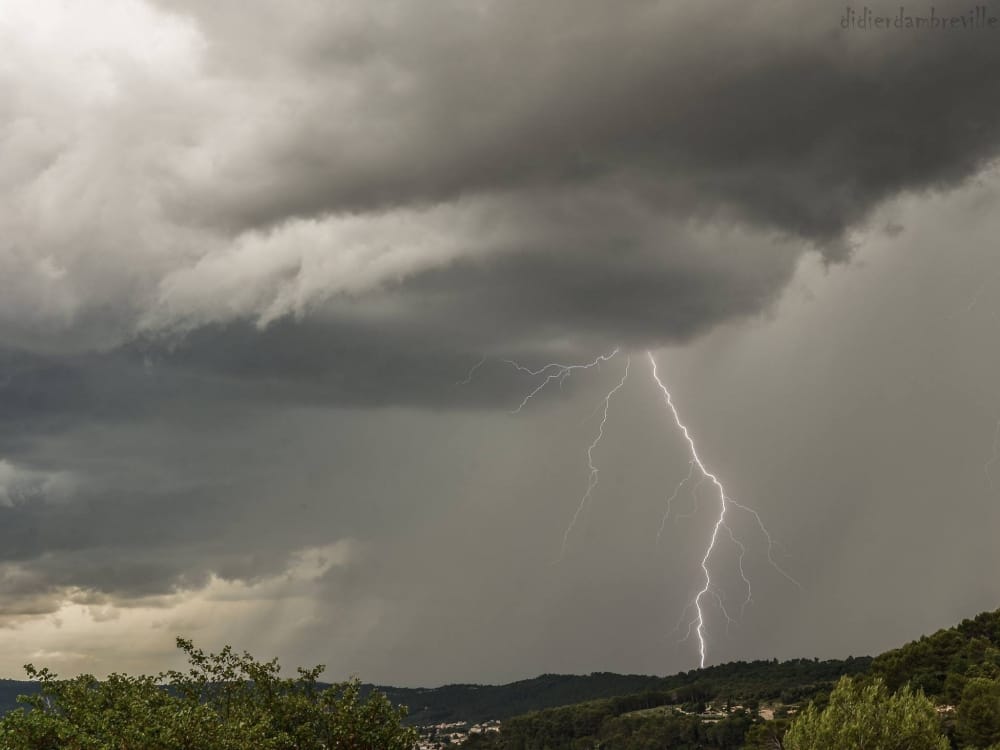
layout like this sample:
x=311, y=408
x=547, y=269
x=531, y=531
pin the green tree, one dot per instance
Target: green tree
x=224, y=701
x=979, y=712
x=865, y=716
x=767, y=735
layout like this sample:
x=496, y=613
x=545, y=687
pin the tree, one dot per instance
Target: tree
x=224, y=701
x=767, y=735
x=979, y=712
x=865, y=716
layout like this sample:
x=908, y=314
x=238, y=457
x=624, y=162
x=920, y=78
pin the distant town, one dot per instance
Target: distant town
x=438, y=736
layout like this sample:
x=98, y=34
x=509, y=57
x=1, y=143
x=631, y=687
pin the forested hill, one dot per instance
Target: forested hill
x=788, y=681
x=941, y=663
x=476, y=703
x=10, y=689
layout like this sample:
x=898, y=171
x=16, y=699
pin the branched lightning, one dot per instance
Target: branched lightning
x=690, y=625
x=556, y=372
x=767, y=535
x=592, y=478
x=695, y=500
x=746, y=581
x=670, y=500
x=698, y=624
x=722, y=607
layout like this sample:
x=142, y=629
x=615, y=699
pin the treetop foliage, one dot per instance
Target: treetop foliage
x=864, y=715
x=224, y=701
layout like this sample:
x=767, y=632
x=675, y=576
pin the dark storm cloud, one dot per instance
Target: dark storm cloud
x=329, y=163
x=699, y=108
x=219, y=250
x=129, y=522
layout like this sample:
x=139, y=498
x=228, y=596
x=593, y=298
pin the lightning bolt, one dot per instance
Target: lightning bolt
x=746, y=581
x=558, y=373
x=472, y=371
x=670, y=500
x=695, y=500
x=698, y=624
x=554, y=371
x=592, y=478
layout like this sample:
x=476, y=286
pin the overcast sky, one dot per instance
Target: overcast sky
x=251, y=251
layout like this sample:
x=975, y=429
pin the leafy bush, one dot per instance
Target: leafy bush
x=224, y=701
x=864, y=714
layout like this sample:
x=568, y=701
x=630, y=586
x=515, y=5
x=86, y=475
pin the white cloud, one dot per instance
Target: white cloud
x=18, y=485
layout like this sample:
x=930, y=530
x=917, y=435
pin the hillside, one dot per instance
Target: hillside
x=10, y=689
x=760, y=679
x=674, y=715
x=941, y=663
x=682, y=698
x=474, y=703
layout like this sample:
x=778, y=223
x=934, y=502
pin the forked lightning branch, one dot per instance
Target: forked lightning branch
x=696, y=612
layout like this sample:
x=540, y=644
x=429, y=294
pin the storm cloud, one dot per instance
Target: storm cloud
x=248, y=253
x=642, y=173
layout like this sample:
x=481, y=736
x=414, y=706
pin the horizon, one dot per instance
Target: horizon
x=708, y=668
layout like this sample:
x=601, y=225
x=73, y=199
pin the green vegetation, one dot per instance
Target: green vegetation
x=476, y=703
x=863, y=714
x=594, y=729
x=978, y=722
x=941, y=691
x=942, y=663
x=790, y=681
x=671, y=717
x=224, y=701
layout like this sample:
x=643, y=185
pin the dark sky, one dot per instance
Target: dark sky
x=249, y=254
